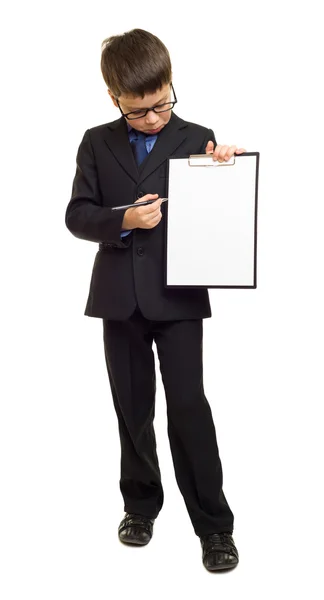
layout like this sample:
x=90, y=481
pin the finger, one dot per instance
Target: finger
x=154, y=220
x=141, y=200
x=209, y=147
x=230, y=152
x=240, y=150
x=220, y=152
x=153, y=204
x=150, y=208
x=147, y=197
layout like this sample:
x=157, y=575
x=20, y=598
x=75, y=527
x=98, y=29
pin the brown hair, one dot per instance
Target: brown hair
x=135, y=63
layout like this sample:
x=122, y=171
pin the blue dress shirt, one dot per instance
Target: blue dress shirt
x=150, y=141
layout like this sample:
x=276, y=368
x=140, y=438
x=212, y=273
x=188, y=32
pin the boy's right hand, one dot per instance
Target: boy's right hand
x=145, y=217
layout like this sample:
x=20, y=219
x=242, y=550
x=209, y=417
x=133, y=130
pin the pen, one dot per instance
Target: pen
x=138, y=204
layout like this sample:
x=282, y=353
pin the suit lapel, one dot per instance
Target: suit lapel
x=116, y=138
x=170, y=138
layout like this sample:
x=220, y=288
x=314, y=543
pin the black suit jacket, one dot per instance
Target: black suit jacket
x=130, y=270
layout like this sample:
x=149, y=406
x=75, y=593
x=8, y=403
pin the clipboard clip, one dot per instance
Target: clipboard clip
x=206, y=160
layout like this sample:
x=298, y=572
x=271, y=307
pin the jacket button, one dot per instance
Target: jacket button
x=140, y=251
x=140, y=194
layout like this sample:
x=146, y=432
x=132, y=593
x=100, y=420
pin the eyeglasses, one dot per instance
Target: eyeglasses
x=159, y=108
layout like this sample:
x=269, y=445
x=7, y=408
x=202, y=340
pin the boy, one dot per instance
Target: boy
x=124, y=162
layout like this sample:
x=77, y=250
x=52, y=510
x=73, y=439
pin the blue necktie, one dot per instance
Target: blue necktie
x=139, y=147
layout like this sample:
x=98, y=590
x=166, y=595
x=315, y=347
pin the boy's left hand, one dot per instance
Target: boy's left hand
x=222, y=153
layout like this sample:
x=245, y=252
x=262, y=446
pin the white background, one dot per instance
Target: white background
x=252, y=72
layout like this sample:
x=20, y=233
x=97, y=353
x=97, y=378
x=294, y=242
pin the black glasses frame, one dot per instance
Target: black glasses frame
x=147, y=109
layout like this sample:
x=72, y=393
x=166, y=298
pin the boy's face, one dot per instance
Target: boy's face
x=153, y=121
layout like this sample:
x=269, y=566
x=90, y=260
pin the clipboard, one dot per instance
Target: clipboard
x=211, y=222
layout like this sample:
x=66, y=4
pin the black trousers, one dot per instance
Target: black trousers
x=131, y=370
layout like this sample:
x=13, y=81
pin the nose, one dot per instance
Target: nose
x=151, y=117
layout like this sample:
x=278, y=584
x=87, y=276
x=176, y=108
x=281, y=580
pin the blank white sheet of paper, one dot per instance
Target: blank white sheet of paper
x=211, y=223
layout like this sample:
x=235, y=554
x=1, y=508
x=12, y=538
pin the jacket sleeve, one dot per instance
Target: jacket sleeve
x=209, y=137
x=85, y=217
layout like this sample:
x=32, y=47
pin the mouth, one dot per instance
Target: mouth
x=154, y=130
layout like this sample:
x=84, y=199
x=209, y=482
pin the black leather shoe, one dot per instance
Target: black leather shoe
x=219, y=551
x=135, y=529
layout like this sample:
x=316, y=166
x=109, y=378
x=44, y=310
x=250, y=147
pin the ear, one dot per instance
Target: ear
x=112, y=97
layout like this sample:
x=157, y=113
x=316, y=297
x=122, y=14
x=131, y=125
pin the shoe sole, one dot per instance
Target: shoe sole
x=134, y=542
x=221, y=567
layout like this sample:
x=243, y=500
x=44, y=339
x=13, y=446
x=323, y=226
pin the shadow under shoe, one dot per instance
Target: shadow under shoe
x=135, y=529
x=219, y=551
